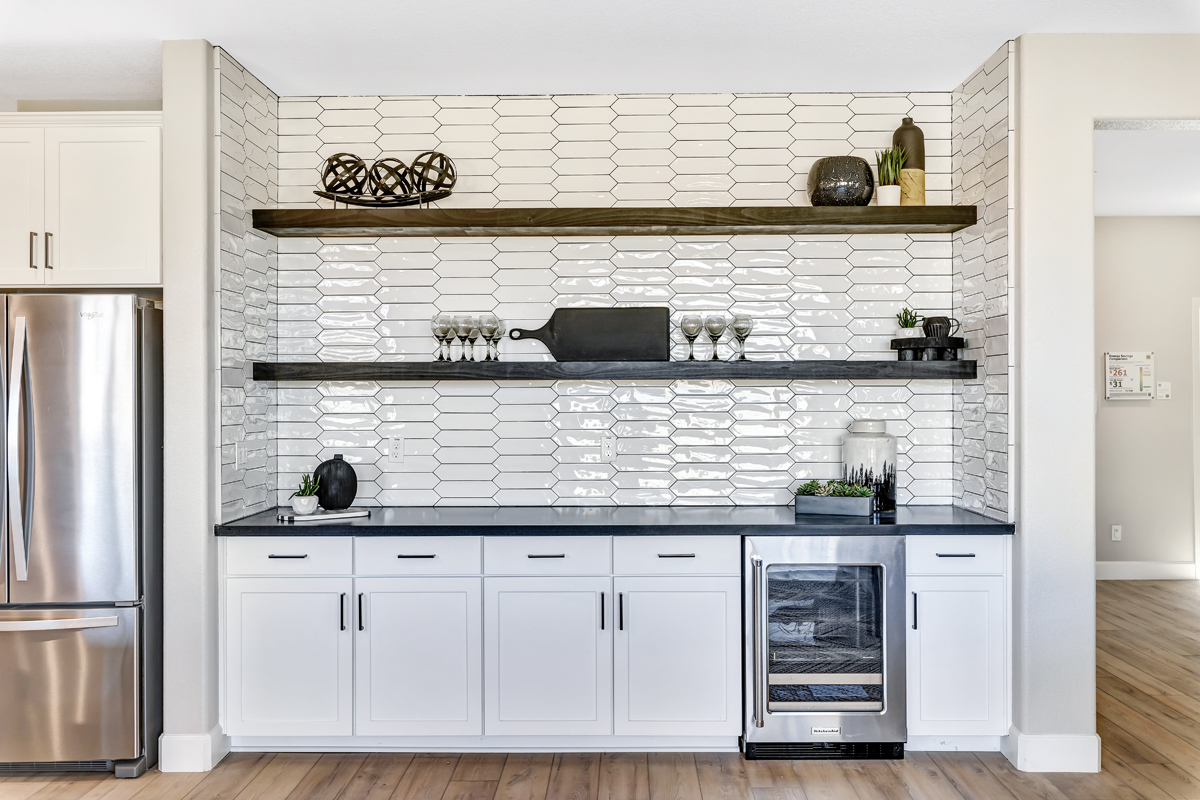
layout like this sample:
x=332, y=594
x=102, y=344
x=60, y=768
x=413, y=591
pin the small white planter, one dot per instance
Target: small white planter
x=910, y=333
x=304, y=505
x=888, y=195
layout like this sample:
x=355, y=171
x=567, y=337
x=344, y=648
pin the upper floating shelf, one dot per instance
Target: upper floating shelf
x=447, y=222
x=609, y=370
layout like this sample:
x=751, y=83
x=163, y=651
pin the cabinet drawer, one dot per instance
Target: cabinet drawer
x=955, y=555
x=677, y=555
x=289, y=555
x=418, y=555
x=547, y=555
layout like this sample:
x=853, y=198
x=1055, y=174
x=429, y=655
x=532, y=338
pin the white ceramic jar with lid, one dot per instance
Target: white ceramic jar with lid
x=869, y=458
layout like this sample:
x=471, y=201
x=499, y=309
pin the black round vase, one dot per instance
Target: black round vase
x=338, y=484
x=840, y=181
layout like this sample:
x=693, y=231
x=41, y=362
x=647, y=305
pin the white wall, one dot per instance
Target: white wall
x=1147, y=273
x=191, y=740
x=1066, y=82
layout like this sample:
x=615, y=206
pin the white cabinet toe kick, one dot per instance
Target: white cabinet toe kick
x=451, y=644
x=561, y=643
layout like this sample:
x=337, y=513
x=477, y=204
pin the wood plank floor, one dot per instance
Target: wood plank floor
x=1148, y=703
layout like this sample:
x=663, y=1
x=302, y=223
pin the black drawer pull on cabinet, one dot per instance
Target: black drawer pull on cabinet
x=676, y=555
x=914, y=594
x=275, y=556
x=424, y=555
x=555, y=555
x=955, y=555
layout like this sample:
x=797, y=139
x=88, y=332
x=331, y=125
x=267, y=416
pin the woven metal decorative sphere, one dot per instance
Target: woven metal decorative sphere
x=431, y=171
x=389, y=176
x=344, y=173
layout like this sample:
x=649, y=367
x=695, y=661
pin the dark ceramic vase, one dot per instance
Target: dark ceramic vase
x=912, y=139
x=840, y=181
x=338, y=486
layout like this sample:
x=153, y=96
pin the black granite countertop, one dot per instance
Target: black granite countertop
x=622, y=521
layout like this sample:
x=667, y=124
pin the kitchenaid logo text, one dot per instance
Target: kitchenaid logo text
x=826, y=731
x=91, y=314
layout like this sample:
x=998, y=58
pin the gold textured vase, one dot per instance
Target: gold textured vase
x=912, y=187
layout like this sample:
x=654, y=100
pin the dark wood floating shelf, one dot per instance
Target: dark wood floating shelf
x=611, y=221
x=609, y=370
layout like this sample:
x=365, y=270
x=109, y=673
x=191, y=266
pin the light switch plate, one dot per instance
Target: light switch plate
x=1163, y=390
x=396, y=450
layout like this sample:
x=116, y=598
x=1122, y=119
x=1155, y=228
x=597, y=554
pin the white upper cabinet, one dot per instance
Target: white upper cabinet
x=82, y=203
x=22, y=232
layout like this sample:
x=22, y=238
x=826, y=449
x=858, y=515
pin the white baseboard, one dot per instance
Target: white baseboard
x=955, y=744
x=485, y=744
x=192, y=752
x=1145, y=571
x=1052, y=752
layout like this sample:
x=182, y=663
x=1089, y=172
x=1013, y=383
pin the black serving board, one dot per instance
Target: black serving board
x=605, y=334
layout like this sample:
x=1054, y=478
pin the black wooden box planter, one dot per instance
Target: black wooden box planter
x=929, y=348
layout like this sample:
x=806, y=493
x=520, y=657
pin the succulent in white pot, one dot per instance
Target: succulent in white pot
x=304, y=499
x=889, y=163
x=910, y=324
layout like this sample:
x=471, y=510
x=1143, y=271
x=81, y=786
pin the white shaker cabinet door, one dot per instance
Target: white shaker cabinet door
x=103, y=205
x=417, y=656
x=678, y=656
x=956, y=656
x=548, y=656
x=290, y=651
x=22, y=229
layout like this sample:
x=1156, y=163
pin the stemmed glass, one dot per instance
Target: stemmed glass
x=691, y=327
x=742, y=325
x=501, y=329
x=473, y=337
x=487, y=326
x=462, y=329
x=441, y=325
x=715, y=325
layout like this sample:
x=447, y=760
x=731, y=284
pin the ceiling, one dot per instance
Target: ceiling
x=1148, y=173
x=84, y=49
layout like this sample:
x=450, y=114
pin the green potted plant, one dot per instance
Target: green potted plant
x=889, y=163
x=839, y=498
x=910, y=324
x=304, y=499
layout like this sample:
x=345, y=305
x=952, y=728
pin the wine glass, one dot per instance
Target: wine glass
x=487, y=326
x=441, y=325
x=462, y=329
x=715, y=325
x=742, y=325
x=501, y=329
x=473, y=337
x=691, y=326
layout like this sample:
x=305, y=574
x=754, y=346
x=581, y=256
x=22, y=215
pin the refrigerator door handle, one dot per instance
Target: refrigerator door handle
x=18, y=505
x=60, y=624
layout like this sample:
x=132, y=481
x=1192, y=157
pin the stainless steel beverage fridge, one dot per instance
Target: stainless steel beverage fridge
x=81, y=554
x=825, y=650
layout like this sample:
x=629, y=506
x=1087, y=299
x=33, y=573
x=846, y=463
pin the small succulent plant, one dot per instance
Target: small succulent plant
x=890, y=162
x=308, y=486
x=834, y=489
x=908, y=318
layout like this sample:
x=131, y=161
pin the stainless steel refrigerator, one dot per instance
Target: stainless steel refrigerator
x=81, y=554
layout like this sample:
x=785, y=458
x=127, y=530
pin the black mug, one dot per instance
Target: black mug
x=940, y=327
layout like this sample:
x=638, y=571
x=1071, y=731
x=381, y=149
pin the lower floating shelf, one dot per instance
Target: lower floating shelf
x=610, y=370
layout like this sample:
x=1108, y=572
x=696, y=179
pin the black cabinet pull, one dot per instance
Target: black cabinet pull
x=555, y=555
x=676, y=555
x=914, y=594
x=424, y=555
x=275, y=556
x=360, y=619
x=602, y=611
x=955, y=555
x=342, y=611
x=620, y=611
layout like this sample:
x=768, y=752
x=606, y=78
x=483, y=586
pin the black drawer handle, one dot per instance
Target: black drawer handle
x=428, y=555
x=676, y=555
x=955, y=555
x=275, y=556
x=602, y=611
x=361, y=627
x=620, y=611
x=914, y=594
x=556, y=555
x=342, y=611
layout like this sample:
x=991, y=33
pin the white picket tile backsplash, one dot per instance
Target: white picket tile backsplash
x=538, y=442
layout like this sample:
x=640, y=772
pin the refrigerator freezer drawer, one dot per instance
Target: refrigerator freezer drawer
x=69, y=684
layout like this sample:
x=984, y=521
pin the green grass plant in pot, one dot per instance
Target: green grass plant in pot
x=909, y=323
x=889, y=163
x=304, y=499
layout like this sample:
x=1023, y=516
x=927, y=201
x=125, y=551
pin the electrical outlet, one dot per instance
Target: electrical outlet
x=1116, y=533
x=608, y=447
x=1163, y=390
x=396, y=450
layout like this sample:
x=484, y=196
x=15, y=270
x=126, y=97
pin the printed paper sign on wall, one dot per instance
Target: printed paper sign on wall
x=1129, y=376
